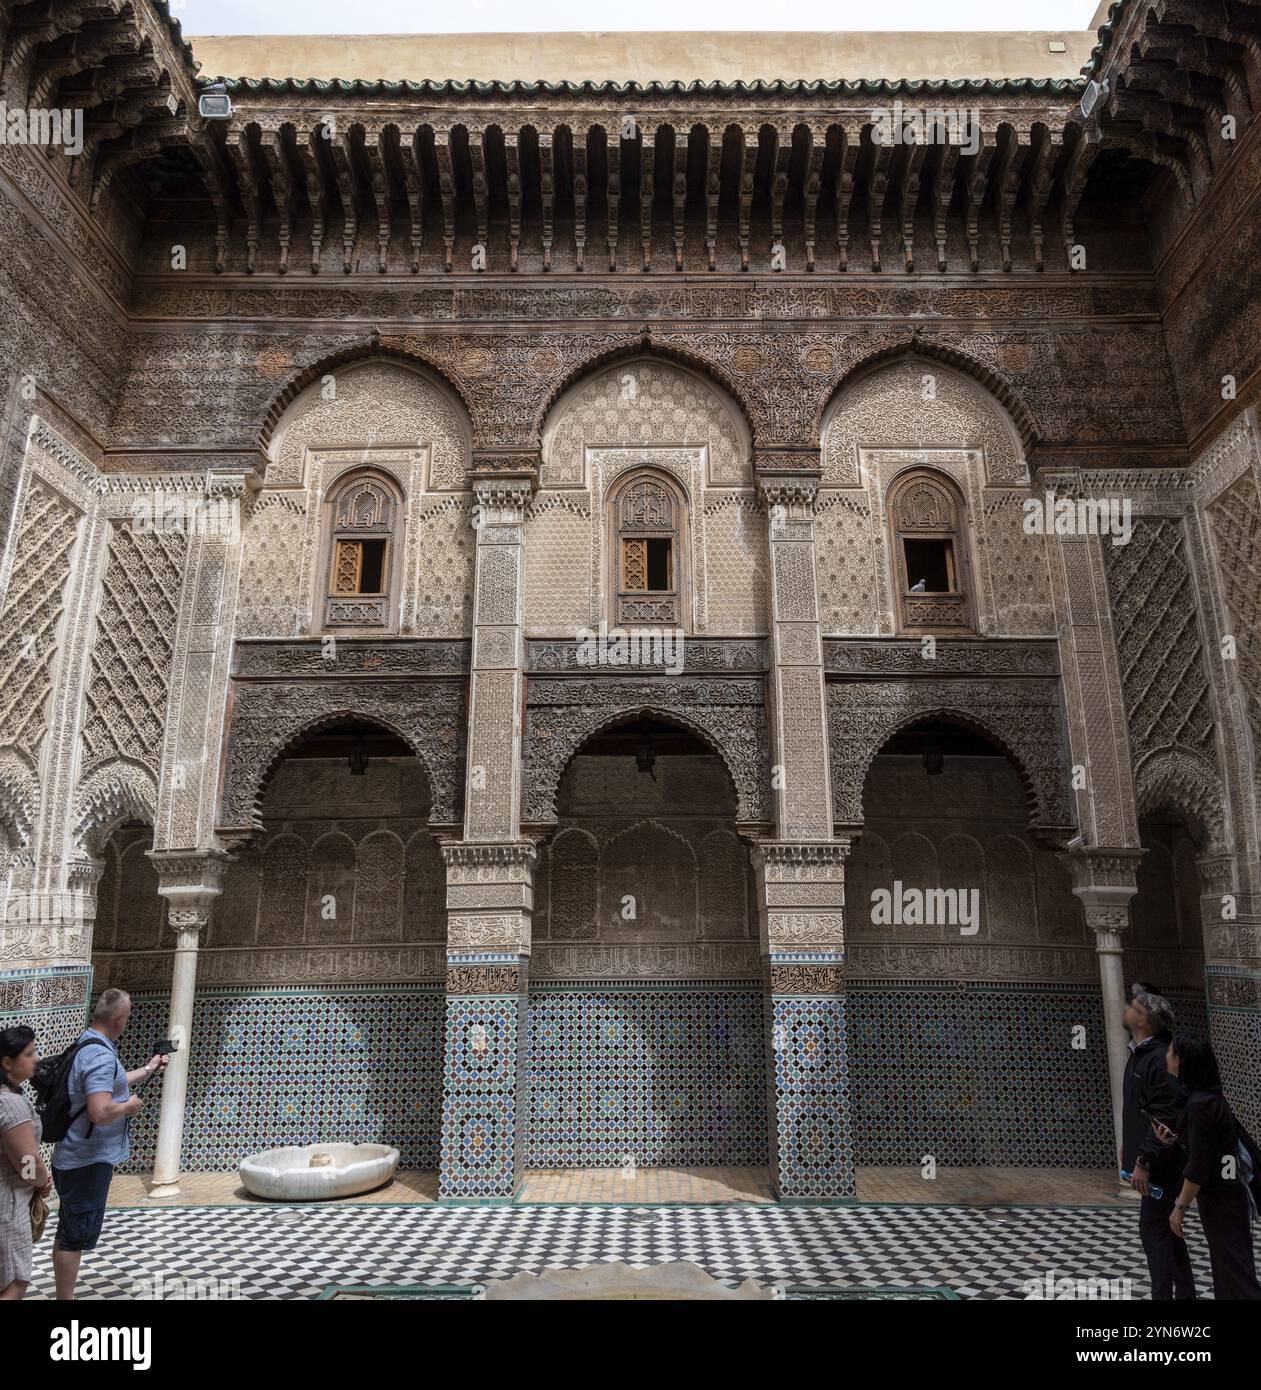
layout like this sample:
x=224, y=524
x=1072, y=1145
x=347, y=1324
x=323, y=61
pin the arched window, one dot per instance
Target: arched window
x=647, y=515
x=928, y=536
x=364, y=512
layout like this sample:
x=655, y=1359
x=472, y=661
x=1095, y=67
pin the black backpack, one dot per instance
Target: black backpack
x=51, y=1084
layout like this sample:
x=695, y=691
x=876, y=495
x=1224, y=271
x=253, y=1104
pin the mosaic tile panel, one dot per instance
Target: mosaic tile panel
x=299, y=1067
x=810, y=1090
x=54, y=1002
x=960, y=1074
x=482, y=1095
x=1236, y=1035
x=666, y=1076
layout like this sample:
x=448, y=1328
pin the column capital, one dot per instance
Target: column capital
x=503, y=497
x=773, y=855
x=795, y=491
x=235, y=479
x=507, y=461
x=508, y=855
x=190, y=881
x=1105, y=880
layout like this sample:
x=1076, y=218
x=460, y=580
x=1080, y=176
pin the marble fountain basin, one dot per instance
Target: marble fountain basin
x=314, y=1172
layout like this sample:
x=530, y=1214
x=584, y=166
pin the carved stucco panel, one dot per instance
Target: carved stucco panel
x=919, y=403
x=562, y=714
x=1022, y=717
x=268, y=718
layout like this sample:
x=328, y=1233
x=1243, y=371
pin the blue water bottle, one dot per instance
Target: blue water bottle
x=1157, y=1193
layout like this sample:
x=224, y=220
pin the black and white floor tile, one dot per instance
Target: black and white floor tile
x=297, y=1252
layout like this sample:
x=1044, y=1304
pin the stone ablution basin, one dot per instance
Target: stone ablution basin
x=314, y=1172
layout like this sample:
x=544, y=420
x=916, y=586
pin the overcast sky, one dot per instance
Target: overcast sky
x=511, y=16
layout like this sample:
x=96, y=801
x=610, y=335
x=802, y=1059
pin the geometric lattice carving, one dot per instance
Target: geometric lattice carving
x=1236, y=520
x=737, y=570
x=131, y=656
x=644, y=402
x=1158, y=639
x=442, y=598
x=846, y=563
x=32, y=609
x=557, y=573
x=271, y=566
x=894, y=405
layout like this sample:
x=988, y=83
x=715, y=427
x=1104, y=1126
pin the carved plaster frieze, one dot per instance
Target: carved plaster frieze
x=269, y=717
x=563, y=713
x=1023, y=717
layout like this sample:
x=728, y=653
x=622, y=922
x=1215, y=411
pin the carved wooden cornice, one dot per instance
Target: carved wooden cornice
x=1173, y=76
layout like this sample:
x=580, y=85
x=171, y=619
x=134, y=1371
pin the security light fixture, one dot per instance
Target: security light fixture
x=214, y=104
x=1090, y=97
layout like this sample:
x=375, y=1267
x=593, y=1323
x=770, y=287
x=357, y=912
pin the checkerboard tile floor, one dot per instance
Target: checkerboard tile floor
x=297, y=1251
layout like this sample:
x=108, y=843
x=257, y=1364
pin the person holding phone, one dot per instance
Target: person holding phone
x=99, y=1139
x=1152, y=1095
x=1219, y=1153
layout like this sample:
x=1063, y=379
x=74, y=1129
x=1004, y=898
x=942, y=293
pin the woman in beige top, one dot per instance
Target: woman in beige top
x=22, y=1169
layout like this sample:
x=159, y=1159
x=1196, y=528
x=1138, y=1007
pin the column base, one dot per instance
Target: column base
x=160, y=1190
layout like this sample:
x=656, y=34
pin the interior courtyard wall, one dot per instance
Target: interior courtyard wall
x=645, y=1029
x=206, y=356
x=943, y=1064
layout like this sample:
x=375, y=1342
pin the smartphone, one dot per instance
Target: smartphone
x=1158, y=1124
x=167, y=1046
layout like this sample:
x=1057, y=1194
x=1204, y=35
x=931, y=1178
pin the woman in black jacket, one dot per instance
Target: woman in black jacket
x=1210, y=1133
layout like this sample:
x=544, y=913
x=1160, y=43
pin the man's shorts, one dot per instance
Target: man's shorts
x=83, y=1192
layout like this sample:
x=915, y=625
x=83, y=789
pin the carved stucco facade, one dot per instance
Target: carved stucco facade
x=154, y=683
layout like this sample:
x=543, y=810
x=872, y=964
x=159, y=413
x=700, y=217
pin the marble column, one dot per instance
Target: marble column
x=1105, y=882
x=490, y=873
x=189, y=883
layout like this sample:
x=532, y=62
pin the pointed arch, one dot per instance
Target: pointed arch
x=1024, y=422
x=1176, y=779
x=643, y=350
x=116, y=792
x=556, y=734
x=370, y=351
x=1024, y=724
x=270, y=720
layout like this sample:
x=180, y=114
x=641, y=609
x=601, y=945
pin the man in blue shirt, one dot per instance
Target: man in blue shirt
x=99, y=1138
